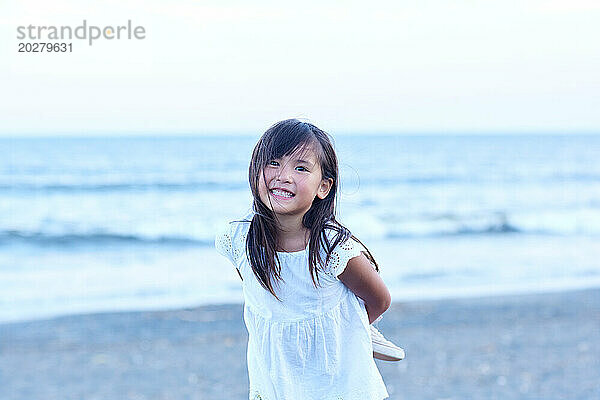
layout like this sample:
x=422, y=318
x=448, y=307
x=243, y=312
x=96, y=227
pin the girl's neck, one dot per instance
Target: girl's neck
x=292, y=235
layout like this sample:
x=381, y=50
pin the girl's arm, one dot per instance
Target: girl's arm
x=365, y=282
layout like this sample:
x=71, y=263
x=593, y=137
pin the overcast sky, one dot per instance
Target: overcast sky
x=209, y=67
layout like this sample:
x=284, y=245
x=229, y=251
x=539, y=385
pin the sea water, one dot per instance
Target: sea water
x=104, y=224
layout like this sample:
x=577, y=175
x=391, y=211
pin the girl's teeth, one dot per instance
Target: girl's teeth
x=282, y=193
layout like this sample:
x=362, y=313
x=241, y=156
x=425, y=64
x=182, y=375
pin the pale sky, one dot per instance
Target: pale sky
x=210, y=67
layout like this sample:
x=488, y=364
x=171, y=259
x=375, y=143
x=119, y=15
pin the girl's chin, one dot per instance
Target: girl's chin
x=280, y=209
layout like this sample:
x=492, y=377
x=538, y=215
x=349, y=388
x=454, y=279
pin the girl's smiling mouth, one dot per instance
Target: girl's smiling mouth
x=281, y=193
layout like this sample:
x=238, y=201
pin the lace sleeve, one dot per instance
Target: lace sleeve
x=341, y=255
x=230, y=240
x=224, y=242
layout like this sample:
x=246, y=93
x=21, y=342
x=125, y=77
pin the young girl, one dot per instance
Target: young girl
x=310, y=292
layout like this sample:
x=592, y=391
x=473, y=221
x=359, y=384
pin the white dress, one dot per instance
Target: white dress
x=313, y=345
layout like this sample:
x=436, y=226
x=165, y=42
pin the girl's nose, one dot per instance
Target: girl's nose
x=285, y=174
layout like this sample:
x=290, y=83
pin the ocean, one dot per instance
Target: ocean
x=106, y=224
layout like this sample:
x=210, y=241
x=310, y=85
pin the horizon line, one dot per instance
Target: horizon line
x=454, y=133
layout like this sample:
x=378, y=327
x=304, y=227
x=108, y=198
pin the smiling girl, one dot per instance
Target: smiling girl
x=311, y=289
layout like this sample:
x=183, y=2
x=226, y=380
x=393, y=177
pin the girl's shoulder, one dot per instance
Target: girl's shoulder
x=341, y=247
x=230, y=238
x=340, y=237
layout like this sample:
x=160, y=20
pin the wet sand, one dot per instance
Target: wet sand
x=542, y=346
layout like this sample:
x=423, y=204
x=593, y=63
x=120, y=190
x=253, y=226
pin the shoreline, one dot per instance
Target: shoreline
x=407, y=297
x=512, y=346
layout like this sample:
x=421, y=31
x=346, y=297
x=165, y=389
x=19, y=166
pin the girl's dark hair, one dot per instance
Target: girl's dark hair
x=282, y=139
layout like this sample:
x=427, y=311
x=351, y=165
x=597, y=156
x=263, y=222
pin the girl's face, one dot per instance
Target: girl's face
x=293, y=182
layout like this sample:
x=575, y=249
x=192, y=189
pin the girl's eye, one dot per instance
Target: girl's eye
x=302, y=168
x=274, y=163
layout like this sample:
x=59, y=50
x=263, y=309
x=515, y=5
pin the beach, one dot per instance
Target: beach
x=535, y=346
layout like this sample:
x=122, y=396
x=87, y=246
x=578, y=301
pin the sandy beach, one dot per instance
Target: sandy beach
x=542, y=346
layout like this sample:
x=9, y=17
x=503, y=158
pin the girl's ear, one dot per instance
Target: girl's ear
x=324, y=188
